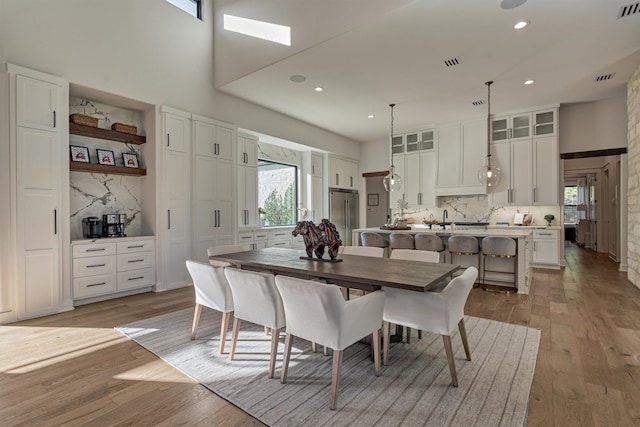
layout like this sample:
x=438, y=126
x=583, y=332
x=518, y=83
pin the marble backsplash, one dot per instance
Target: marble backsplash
x=476, y=209
x=95, y=194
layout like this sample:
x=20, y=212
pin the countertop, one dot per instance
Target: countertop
x=500, y=231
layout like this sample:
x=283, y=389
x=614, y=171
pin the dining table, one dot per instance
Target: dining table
x=350, y=271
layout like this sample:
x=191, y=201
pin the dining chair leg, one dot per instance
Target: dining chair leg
x=419, y=334
x=224, y=327
x=408, y=335
x=234, y=337
x=275, y=336
x=385, y=343
x=335, y=378
x=196, y=321
x=314, y=347
x=376, y=351
x=266, y=330
x=452, y=364
x=288, y=341
x=463, y=336
x=325, y=350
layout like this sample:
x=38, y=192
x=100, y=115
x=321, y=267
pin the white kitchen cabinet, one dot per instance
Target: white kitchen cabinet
x=545, y=122
x=343, y=173
x=545, y=248
x=313, y=185
x=256, y=239
x=418, y=173
x=36, y=106
x=397, y=144
x=514, y=158
x=213, y=223
x=546, y=171
x=247, y=196
x=175, y=204
x=461, y=152
x=247, y=151
x=511, y=127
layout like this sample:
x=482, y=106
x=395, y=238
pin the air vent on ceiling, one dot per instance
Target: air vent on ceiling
x=480, y=102
x=604, y=77
x=450, y=62
x=628, y=10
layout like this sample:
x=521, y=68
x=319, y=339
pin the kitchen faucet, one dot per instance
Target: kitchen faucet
x=445, y=215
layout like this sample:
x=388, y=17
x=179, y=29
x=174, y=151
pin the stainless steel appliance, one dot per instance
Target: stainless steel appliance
x=91, y=227
x=343, y=212
x=113, y=225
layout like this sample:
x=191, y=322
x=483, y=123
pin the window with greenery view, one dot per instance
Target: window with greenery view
x=570, y=205
x=277, y=193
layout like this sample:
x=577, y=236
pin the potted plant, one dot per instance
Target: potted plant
x=549, y=218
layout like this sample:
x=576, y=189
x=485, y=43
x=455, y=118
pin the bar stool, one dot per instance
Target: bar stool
x=401, y=241
x=462, y=246
x=374, y=239
x=500, y=247
x=429, y=242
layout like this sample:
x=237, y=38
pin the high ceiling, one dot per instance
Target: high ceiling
x=367, y=54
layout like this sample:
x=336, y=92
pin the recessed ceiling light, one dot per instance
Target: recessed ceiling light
x=370, y=116
x=319, y=89
x=520, y=25
x=529, y=82
x=297, y=78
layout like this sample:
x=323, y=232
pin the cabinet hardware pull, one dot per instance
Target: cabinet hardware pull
x=96, y=265
x=168, y=140
x=337, y=180
x=313, y=170
x=135, y=246
x=169, y=219
x=96, y=284
x=535, y=198
x=54, y=118
x=55, y=221
x=135, y=260
x=136, y=278
x=96, y=250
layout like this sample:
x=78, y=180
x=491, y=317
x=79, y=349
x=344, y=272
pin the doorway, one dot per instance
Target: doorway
x=376, y=199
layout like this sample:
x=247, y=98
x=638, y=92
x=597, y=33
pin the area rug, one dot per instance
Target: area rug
x=414, y=389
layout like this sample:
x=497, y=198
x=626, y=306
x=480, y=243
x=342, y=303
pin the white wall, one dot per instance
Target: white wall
x=590, y=126
x=146, y=50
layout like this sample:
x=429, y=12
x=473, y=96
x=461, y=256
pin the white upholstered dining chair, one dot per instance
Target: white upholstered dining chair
x=224, y=249
x=256, y=300
x=430, y=311
x=212, y=291
x=414, y=255
x=370, y=251
x=318, y=313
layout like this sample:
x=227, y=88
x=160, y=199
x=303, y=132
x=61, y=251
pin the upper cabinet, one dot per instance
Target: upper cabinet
x=511, y=127
x=461, y=153
x=546, y=171
x=212, y=139
x=343, y=173
x=247, y=151
x=545, y=122
x=413, y=141
x=37, y=104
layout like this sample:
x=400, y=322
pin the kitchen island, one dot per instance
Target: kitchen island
x=523, y=237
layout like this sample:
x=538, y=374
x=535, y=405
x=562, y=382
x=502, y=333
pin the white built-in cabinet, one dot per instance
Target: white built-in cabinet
x=175, y=200
x=462, y=149
x=511, y=128
x=37, y=111
x=343, y=173
x=313, y=166
x=514, y=158
x=418, y=173
x=545, y=248
x=545, y=171
x=247, y=176
x=213, y=192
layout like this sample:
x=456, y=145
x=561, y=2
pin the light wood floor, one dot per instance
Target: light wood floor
x=74, y=369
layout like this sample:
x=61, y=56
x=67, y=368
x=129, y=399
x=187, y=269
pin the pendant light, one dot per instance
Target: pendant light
x=392, y=182
x=489, y=174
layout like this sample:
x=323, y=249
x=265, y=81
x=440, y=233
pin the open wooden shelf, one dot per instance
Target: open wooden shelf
x=76, y=129
x=98, y=168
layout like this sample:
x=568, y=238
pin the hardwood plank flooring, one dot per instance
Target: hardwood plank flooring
x=74, y=369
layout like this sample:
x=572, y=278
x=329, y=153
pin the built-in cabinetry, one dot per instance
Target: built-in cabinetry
x=213, y=192
x=343, y=173
x=418, y=173
x=462, y=149
x=256, y=239
x=277, y=237
x=514, y=158
x=37, y=112
x=545, y=248
x=105, y=268
x=313, y=165
x=247, y=173
x=510, y=128
x=546, y=171
x=413, y=141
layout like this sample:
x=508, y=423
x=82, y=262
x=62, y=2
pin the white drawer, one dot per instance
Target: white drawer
x=92, y=266
x=135, y=261
x=545, y=234
x=279, y=243
x=260, y=235
x=136, y=279
x=245, y=237
x=135, y=246
x=84, y=287
x=280, y=234
x=94, y=249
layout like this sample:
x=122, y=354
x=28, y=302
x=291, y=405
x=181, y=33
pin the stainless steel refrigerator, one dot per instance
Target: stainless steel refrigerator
x=343, y=212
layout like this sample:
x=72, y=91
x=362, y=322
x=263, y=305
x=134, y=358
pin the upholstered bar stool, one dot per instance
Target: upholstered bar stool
x=463, y=246
x=500, y=247
x=374, y=239
x=401, y=241
x=429, y=242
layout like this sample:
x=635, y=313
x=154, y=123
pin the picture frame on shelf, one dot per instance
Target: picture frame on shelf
x=130, y=160
x=79, y=154
x=106, y=157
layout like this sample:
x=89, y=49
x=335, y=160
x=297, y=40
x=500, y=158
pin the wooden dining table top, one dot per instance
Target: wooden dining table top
x=360, y=272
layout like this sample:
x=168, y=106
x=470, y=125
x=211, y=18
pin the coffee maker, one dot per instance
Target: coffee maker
x=91, y=227
x=113, y=225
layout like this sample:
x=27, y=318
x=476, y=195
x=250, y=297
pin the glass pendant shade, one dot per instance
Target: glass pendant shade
x=392, y=182
x=489, y=175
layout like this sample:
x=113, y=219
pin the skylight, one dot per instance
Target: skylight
x=263, y=30
x=192, y=7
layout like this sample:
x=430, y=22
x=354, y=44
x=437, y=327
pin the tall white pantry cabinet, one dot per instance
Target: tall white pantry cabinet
x=33, y=276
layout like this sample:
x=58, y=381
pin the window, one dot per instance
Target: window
x=192, y=7
x=571, y=204
x=277, y=193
